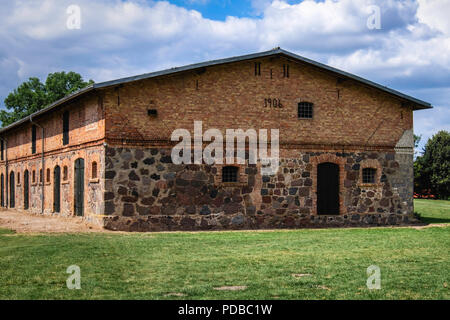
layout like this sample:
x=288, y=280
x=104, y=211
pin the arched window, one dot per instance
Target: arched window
x=48, y=175
x=94, y=170
x=18, y=177
x=65, y=173
x=40, y=175
x=230, y=174
x=368, y=175
x=33, y=178
x=305, y=110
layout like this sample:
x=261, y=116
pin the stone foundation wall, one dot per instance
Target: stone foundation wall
x=145, y=191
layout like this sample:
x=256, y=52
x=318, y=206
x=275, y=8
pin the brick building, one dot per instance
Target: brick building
x=104, y=152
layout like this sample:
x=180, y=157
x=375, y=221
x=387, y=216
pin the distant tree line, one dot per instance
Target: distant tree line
x=432, y=167
x=33, y=95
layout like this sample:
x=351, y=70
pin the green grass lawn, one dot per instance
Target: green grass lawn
x=433, y=211
x=414, y=264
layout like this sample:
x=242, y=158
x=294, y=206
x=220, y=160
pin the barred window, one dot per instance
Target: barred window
x=230, y=174
x=305, y=110
x=368, y=175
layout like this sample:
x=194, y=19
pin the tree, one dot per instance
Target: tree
x=432, y=169
x=416, y=142
x=33, y=95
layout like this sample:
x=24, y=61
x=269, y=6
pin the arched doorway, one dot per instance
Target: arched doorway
x=12, y=194
x=26, y=190
x=57, y=189
x=328, y=188
x=79, y=186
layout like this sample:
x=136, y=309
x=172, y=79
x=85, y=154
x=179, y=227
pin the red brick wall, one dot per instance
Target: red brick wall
x=86, y=124
x=231, y=96
x=86, y=133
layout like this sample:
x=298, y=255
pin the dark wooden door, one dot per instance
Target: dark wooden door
x=57, y=189
x=12, y=194
x=3, y=189
x=328, y=188
x=26, y=190
x=79, y=186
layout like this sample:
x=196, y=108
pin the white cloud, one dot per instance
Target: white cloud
x=122, y=38
x=434, y=13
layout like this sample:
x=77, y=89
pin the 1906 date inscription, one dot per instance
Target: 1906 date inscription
x=272, y=103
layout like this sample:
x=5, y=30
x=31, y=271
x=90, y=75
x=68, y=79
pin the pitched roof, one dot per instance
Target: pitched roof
x=417, y=104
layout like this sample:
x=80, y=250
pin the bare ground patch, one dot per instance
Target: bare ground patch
x=231, y=288
x=23, y=222
x=300, y=275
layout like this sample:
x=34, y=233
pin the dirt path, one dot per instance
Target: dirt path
x=22, y=222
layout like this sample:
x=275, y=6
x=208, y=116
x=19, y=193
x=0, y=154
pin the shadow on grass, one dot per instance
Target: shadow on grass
x=430, y=220
x=6, y=231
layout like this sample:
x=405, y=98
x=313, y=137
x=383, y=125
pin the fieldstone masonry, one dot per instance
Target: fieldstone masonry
x=146, y=192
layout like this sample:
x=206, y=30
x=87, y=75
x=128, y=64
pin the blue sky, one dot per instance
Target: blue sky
x=117, y=38
x=219, y=9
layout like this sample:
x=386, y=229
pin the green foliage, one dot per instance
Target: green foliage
x=33, y=95
x=432, y=169
x=417, y=140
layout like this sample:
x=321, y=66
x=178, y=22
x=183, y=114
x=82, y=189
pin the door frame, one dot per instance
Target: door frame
x=340, y=161
x=12, y=189
x=26, y=190
x=332, y=171
x=57, y=188
x=78, y=186
x=2, y=182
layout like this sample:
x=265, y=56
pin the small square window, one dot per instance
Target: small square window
x=305, y=110
x=230, y=174
x=368, y=175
